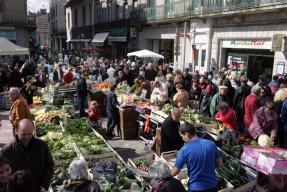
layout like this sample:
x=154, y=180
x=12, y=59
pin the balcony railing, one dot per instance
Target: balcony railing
x=200, y=7
x=17, y=18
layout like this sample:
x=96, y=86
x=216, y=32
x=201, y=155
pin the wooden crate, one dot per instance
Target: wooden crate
x=128, y=123
x=248, y=187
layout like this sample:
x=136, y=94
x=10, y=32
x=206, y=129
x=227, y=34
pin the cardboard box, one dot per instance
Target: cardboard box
x=265, y=159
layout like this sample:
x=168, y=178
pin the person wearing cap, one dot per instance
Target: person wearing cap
x=201, y=157
x=164, y=181
x=217, y=98
x=264, y=121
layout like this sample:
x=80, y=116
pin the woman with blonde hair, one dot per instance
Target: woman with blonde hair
x=280, y=99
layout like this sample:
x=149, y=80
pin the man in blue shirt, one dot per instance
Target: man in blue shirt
x=201, y=158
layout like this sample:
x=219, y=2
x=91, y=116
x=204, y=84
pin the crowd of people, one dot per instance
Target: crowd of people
x=246, y=108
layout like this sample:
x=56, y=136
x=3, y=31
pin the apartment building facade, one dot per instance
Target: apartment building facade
x=57, y=25
x=100, y=26
x=15, y=24
x=244, y=35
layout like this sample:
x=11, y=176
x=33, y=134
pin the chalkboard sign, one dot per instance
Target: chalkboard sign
x=105, y=171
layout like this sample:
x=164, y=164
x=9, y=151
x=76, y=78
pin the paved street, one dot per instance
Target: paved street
x=5, y=128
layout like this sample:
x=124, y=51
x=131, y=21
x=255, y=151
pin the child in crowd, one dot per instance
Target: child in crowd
x=94, y=114
x=5, y=173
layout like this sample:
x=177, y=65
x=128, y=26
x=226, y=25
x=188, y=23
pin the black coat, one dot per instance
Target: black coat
x=112, y=103
x=36, y=157
x=82, y=87
x=150, y=74
x=239, y=97
x=170, y=138
x=168, y=185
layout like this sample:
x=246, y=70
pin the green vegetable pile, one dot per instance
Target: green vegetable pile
x=59, y=146
x=125, y=179
x=78, y=127
x=233, y=172
x=43, y=128
x=90, y=145
x=167, y=108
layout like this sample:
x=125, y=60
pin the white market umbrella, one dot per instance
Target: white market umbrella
x=145, y=53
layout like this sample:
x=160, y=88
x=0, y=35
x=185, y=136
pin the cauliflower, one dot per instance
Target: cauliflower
x=264, y=140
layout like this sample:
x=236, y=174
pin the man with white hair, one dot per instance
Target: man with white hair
x=251, y=104
x=170, y=138
x=19, y=109
x=150, y=72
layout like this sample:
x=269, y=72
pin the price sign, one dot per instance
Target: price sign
x=143, y=94
x=105, y=171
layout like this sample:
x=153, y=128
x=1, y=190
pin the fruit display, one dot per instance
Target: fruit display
x=65, y=86
x=142, y=164
x=51, y=116
x=122, y=87
x=37, y=100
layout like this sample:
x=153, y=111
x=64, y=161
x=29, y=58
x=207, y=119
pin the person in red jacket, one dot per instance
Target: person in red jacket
x=94, y=114
x=68, y=76
x=250, y=105
x=226, y=115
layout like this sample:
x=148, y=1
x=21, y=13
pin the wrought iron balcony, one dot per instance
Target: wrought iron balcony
x=17, y=18
x=187, y=8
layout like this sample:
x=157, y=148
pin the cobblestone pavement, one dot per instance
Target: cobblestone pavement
x=6, y=135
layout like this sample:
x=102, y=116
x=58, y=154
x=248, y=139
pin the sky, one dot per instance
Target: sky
x=35, y=5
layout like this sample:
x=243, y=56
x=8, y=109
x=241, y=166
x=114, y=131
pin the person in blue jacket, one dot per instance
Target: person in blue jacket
x=201, y=158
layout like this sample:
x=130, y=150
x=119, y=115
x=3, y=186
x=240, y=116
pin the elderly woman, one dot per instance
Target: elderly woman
x=264, y=121
x=164, y=181
x=19, y=109
x=251, y=103
x=181, y=98
x=226, y=115
x=79, y=181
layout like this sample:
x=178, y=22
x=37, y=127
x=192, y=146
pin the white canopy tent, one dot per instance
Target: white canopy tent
x=145, y=54
x=9, y=48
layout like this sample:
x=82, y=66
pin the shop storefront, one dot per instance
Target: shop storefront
x=251, y=56
x=118, y=39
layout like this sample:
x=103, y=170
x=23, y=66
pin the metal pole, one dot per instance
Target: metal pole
x=184, y=45
x=176, y=47
x=93, y=19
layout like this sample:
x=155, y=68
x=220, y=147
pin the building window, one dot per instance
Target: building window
x=69, y=20
x=76, y=18
x=91, y=13
x=203, y=57
x=84, y=15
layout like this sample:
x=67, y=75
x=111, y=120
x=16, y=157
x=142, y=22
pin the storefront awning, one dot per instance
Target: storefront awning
x=100, y=37
x=79, y=40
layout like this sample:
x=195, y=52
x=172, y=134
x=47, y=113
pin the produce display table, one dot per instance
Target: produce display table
x=128, y=124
